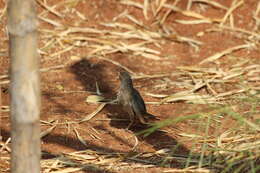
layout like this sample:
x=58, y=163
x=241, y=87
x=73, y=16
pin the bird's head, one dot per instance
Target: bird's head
x=125, y=78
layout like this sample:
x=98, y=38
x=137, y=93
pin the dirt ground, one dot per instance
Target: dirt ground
x=84, y=43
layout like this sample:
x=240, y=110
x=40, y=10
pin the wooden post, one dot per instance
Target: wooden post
x=25, y=89
x=0, y=111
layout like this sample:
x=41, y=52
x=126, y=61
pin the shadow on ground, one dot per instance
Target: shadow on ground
x=87, y=74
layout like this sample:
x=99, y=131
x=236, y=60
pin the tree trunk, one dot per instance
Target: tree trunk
x=25, y=88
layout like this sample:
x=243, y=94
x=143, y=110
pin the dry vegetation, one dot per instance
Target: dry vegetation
x=221, y=86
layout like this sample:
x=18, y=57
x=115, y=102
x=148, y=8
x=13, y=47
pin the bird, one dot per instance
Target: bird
x=131, y=101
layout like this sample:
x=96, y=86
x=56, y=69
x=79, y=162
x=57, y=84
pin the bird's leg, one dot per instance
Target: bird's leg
x=132, y=120
x=130, y=124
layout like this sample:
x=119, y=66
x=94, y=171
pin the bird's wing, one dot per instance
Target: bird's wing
x=138, y=102
x=138, y=106
x=140, y=109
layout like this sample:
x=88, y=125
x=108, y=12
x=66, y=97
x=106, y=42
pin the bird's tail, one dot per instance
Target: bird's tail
x=148, y=118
